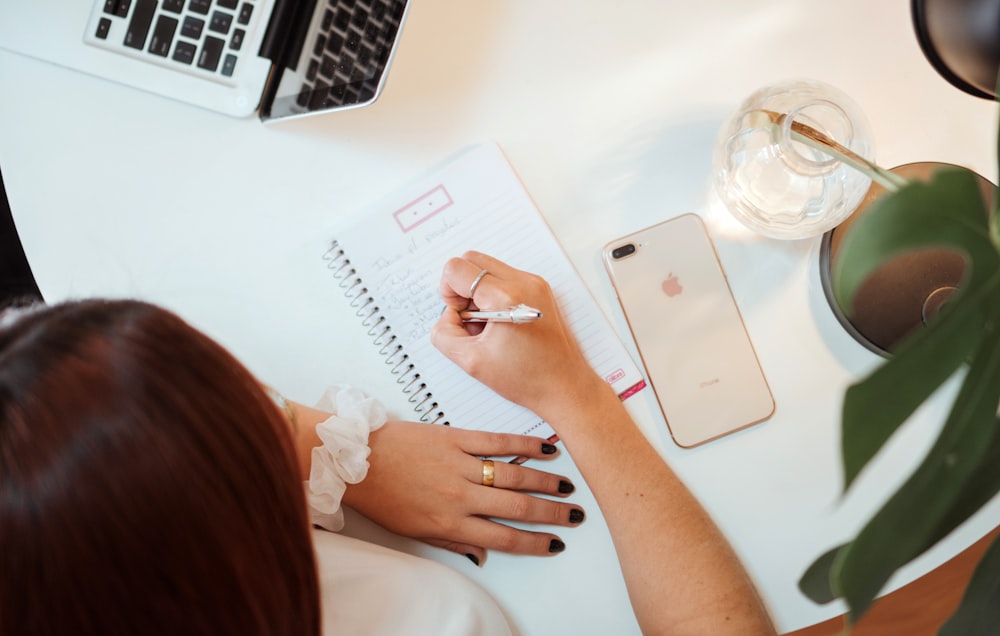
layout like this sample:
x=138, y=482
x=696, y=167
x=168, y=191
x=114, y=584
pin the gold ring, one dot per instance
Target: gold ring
x=488, y=472
x=475, y=282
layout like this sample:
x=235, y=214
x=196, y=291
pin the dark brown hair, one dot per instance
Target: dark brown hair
x=147, y=483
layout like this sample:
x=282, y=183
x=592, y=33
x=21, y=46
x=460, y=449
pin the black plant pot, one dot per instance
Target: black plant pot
x=906, y=291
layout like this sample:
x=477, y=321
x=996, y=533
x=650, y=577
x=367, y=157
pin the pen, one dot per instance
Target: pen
x=519, y=314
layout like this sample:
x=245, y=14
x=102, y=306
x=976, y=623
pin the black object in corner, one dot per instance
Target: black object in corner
x=16, y=279
x=961, y=40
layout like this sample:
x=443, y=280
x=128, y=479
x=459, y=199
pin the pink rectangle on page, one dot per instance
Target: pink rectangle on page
x=416, y=212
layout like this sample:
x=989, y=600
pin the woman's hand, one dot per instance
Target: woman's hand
x=426, y=482
x=538, y=364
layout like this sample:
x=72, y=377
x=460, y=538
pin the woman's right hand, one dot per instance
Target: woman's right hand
x=538, y=364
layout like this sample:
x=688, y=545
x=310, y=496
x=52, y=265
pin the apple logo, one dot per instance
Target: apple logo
x=672, y=285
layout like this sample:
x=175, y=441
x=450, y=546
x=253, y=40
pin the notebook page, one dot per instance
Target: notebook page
x=476, y=202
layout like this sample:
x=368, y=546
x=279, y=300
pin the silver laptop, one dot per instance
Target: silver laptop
x=275, y=58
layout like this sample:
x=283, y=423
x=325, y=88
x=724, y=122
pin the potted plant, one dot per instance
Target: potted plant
x=961, y=471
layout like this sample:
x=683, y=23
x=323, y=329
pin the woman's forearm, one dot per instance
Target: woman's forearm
x=681, y=574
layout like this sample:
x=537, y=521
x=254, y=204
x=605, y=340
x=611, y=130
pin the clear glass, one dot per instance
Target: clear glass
x=779, y=186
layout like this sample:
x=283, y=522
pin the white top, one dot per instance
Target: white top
x=366, y=588
x=371, y=590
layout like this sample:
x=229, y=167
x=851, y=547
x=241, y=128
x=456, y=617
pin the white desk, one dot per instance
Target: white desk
x=608, y=111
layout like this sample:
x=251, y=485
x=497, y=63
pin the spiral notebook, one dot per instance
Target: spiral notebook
x=389, y=267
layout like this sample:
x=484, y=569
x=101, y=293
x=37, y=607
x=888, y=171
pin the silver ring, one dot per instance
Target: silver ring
x=475, y=282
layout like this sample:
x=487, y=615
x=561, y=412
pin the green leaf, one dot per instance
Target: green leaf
x=817, y=582
x=979, y=612
x=946, y=212
x=909, y=521
x=981, y=486
x=875, y=407
x=995, y=222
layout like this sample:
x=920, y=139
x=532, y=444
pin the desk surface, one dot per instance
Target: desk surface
x=609, y=115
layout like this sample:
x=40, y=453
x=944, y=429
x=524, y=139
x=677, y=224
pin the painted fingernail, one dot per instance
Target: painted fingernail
x=473, y=558
x=548, y=449
x=575, y=516
x=565, y=487
x=556, y=545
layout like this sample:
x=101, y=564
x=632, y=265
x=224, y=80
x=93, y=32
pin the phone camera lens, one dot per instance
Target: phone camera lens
x=625, y=250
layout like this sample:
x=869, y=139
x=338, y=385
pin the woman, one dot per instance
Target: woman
x=210, y=460
x=149, y=484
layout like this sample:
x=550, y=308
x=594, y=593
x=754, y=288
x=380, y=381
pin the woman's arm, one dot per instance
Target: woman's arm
x=681, y=574
x=425, y=482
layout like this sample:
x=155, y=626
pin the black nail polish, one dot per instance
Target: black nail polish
x=575, y=516
x=565, y=487
x=548, y=449
x=473, y=558
x=556, y=545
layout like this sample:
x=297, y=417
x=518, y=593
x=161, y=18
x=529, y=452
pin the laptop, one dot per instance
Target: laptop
x=273, y=58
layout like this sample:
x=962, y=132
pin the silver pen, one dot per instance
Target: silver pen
x=519, y=314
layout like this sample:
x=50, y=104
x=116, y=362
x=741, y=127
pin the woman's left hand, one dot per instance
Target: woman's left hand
x=426, y=482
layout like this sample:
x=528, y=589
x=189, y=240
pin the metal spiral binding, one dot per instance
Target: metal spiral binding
x=438, y=417
x=363, y=307
x=371, y=319
x=385, y=350
x=352, y=288
x=396, y=368
x=409, y=384
x=424, y=406
x=382, y=336
x=362, y=295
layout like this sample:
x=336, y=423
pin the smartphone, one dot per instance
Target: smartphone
x=688, y=330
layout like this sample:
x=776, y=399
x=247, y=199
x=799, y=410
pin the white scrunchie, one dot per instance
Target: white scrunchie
x=343, y=457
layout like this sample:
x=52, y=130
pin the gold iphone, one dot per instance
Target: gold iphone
x=688, y=330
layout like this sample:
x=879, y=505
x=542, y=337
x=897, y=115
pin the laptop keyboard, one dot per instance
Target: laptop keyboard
x=345, y=48
x=204, y=37
x=349, y=52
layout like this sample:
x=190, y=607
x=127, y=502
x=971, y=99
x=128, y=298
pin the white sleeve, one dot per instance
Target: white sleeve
x=372, y=590
x=343, y=456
